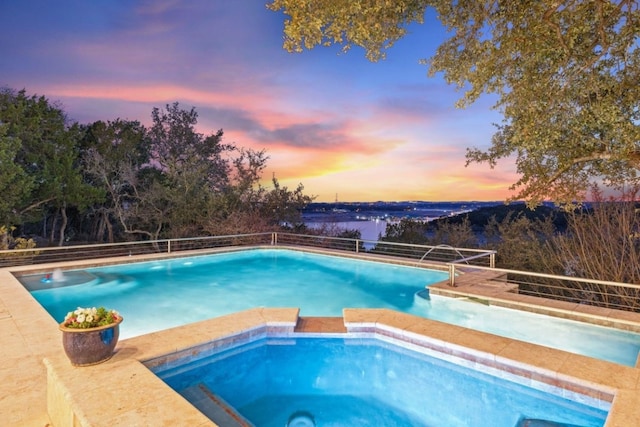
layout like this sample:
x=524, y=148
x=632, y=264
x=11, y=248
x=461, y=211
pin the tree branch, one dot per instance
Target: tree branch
x=35, y=205
x=578, y=160
x=547, y=18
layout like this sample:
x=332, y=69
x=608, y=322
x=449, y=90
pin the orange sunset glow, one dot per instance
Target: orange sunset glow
x=338, y=124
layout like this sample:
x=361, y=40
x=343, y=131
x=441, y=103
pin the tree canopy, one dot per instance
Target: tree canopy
x=565, y=73
x=39, y=163
x=118, y=180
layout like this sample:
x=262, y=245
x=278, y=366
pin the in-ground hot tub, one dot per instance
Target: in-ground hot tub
x=136, y=394
x=356, y=380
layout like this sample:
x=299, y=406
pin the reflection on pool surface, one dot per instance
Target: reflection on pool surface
x=186, y=290
x=273, y=382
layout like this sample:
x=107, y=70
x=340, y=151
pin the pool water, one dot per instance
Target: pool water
x=365, y=382
x=183, y=290
x=157, y=295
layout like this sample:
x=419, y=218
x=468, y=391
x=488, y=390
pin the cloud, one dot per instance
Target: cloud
x=336, y=123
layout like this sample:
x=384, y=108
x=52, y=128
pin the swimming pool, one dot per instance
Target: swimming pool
x=320, y=381
x=189, y=289
x=185, y=290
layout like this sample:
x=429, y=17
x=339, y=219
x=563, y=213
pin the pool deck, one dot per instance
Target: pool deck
x=40, y=387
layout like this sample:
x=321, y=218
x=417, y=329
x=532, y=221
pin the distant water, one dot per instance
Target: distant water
x=370, y=229
x=371, y=219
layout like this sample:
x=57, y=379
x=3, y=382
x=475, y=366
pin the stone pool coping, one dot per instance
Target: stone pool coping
x=29, y=336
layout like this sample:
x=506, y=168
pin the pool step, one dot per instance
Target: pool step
x=321, y=324
x=214, y=407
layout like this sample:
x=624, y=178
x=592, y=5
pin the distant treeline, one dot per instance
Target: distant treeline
x=480, y=218
x=598, y=241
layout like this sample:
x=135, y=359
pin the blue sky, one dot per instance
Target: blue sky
x=336, y=123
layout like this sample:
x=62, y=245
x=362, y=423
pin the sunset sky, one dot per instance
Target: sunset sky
x=338, y=124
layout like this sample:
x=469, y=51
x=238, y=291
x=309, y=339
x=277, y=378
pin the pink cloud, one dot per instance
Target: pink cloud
x=335, y=123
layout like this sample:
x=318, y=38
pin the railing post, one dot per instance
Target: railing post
x=168, y=246
x=274, y=238
x=452, y=275
x=492, y=260
x=357, y=246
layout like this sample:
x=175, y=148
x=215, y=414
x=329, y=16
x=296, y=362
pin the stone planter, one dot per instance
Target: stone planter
x=90, y=346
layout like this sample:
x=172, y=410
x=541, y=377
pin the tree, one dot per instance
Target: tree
x=521, y=240
x=22, y=137
x=15, y=183
x=282, y=206
x=62, y=182
x=192, y=167
x=162, y=181
x=176, y=146
x=406, y=231
x=114, y=154
x=45, y=148
x=565, y=73
x=166, y=181
x=246, y=206
x=171, y=181
x=602, y=242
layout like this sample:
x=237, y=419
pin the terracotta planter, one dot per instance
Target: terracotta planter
x=90, y=346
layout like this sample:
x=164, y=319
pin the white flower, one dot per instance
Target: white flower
x=91, y=317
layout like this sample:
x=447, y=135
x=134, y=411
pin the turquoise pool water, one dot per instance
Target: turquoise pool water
x=363, y=382
x=157, y=295
x=184, y=290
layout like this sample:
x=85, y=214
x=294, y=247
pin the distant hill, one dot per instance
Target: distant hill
x=419, y=210
x=479, y=218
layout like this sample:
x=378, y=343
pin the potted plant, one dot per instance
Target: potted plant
x=89, y=335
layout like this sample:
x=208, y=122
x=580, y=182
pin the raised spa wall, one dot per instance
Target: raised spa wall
x=124, y=392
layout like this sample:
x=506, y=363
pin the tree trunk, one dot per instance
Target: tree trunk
x=109, y=229
x=44, y=225
x=63, y=227
x=98, y=232
x=4, y=238
x=54, y=220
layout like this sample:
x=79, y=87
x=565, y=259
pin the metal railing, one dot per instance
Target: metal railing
x=419, y=253
x=601, y=293
x=78, y=252
x=585, y=291
x=440, y=253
